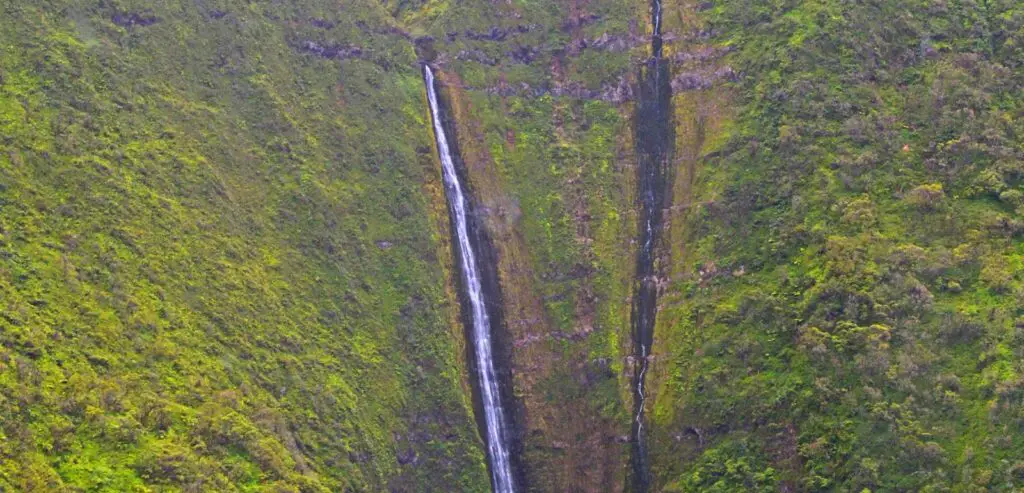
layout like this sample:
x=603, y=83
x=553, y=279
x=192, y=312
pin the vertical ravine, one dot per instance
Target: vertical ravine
x=496, y=424
x=654, y=138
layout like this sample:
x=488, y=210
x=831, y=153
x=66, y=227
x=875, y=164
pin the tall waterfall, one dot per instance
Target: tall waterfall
x=654, y=137
x=494, y=416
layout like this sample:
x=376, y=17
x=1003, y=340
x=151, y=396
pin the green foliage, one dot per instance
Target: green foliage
x=563, y=188
x=220, y=269
x=871, y=340
x=217, y=271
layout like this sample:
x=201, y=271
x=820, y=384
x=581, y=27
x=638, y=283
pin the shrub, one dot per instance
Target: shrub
x=926, y=197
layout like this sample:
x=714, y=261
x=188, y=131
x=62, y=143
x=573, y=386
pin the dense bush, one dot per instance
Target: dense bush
x=193, y=289
x=887, y=246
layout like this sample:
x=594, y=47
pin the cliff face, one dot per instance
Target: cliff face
x=225, y=258
x=219, y=269
x=843, y=307
x=541, y=103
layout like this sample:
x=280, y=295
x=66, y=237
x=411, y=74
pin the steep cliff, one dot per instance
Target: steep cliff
x=223, y=259
x=226, y=261
x=844, y=307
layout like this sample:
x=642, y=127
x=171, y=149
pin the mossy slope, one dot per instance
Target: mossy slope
x=845, y=313
x=538, y=94
x=219, y=268
x=224, y=262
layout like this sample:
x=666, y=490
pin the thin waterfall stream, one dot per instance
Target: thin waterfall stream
x=495, y=419
x=654, y=137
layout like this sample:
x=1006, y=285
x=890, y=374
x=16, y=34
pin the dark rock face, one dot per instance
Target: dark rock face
x=617, y=92
x=654, y=135
x=476, y=56
x=129, y=19
x=614, y=44
x=407, y=457
x=697, y=80
x=495, y=33
x=331, y=51
x=524, y=54
x=580, y=21
x=322, y=23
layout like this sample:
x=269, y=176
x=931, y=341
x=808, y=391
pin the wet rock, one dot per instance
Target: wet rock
x=699, y=80
x=696, y=35
x=618, y=93
x=597, y=370
x=527, y=340
x=521, y=89
x=321, y=23
x=129, y=19
x=331, y=51
x=580, y=21
x=615, y=44
x=425, y=48
x=494, y=34
x=574, y=90
x=476, y=56
x=691, y=81
x=409, y=456
x=524, y=54
x=605, y=42
x=576, y=46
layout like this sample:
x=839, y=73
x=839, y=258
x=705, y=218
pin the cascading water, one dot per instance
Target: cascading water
x=654, y=139
x=495, y=420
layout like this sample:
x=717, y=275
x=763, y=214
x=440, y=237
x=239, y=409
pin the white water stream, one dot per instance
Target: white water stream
x=494, y=415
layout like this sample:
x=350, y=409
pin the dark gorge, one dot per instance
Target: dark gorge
x=653, y=132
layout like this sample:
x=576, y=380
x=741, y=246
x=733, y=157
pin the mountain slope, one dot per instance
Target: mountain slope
x=222, y=255
x=225, y=259
x=846, y=312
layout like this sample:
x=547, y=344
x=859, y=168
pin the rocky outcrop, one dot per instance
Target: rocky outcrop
x=332, y=51
x=702, y=79
x=131, y=19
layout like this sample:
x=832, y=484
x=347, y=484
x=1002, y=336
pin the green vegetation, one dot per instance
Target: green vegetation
x=549, y=157
x=224, y=259
x=218, y=269
x=857, y=325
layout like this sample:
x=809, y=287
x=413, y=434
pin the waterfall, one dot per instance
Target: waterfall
x=654, y=137
x=656, y=40
x=494, y=416
x=657, y=18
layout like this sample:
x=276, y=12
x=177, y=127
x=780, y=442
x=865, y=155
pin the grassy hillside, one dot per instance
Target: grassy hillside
x=846, y=315
x=222, y=259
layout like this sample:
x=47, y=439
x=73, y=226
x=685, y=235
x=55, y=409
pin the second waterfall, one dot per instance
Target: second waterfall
x=655, y=140
x=496, y=422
